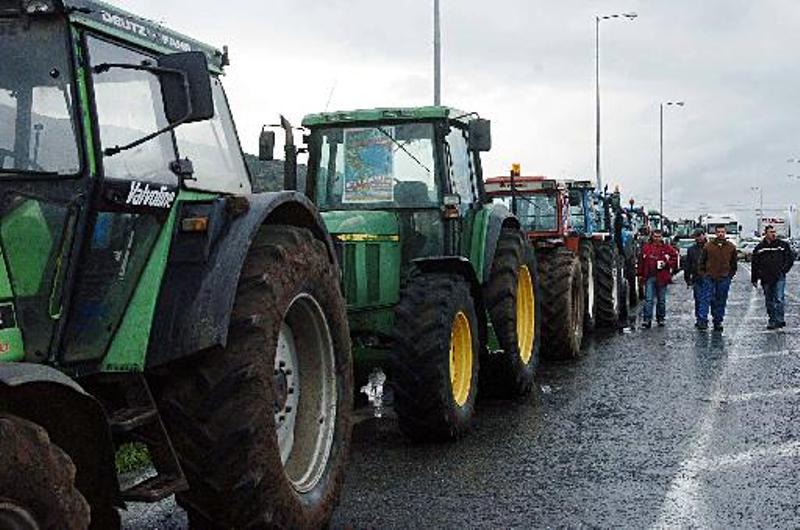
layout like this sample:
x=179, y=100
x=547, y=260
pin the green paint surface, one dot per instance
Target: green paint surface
x=475, y=238
x=383, y=115
x=11, y=345
x=27, y=242
x=379, y=223
x=5, y=283
x=128, y=350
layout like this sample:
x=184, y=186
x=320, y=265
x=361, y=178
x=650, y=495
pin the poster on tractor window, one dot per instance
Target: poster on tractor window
x=368, y=166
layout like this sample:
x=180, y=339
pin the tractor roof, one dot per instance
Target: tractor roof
x=522, y=185
x=382, y=115
x=148, y=34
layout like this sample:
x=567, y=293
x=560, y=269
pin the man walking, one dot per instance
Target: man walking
x=699, y=284
x=718, y=264
x=656, y=265
x=772, y=260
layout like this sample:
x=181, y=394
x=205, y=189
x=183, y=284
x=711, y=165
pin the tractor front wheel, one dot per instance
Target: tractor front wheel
x=562, y=303
x=37, y=481
x=434, y=362
x=262, y=427
x=513, y=304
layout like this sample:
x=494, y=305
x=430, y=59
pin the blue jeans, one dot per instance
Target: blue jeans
x=774, y=297
x=653, y=292
x=715, y=296
x=701, y=289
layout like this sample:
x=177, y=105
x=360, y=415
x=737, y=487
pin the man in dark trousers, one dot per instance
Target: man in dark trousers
x=656, y=265
x=693, y=279
x=718, y=264
x=772, y=260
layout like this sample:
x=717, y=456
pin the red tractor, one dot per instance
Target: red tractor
x=543, y=207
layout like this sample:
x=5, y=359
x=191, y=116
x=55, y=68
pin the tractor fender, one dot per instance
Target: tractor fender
x=74, y=420
x=461, y=266
x=499, y=217
x=199, y=287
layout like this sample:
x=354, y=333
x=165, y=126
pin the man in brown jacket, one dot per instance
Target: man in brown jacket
x=718, y=264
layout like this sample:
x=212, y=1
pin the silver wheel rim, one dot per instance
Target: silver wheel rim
x=306, y=393
x=14, y=517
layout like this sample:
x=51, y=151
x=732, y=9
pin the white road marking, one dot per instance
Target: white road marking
x=683, y=505
x=766, y=355
x=766, y=394
x=746, y=458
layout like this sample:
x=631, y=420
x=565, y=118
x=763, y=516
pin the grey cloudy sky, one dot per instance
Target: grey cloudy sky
x=529, y=66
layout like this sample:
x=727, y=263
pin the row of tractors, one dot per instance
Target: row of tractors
x=148, y=294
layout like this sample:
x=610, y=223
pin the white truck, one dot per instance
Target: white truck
x=780, y=224
x=711, y=221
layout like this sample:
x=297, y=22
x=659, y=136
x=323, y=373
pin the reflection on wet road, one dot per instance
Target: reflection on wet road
x=654, y=428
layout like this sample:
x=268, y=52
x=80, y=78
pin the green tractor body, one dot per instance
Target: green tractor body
x=147, y=294
x=401, y=191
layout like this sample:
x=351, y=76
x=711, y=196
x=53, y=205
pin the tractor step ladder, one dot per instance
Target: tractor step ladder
x=139, y=421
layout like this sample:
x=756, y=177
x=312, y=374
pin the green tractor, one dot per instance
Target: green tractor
x=147, y=295
x=441, y=286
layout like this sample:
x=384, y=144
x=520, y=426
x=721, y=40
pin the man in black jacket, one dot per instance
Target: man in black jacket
x=772, y=259
x=693, y=279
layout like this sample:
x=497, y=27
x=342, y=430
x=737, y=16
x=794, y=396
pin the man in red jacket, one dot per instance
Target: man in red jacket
x=656, y=266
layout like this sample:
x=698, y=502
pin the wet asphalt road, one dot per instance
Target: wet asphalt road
x=668, y=427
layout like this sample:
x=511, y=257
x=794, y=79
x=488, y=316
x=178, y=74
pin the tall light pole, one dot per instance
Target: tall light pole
x=597, y=20
x=661, y=151
x=437, y=55
x=760, y=213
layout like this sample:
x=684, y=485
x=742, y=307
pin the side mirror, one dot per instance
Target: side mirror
x=186, y=87
x=480, y=135
x=266, y=145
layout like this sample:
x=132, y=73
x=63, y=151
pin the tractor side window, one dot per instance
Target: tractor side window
x=213, y=148
x=460, y=164
x=129, y=106
x=577, y=218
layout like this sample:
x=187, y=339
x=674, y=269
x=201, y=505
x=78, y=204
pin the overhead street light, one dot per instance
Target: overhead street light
x=661, y=150
x=597, y=20
x=760, y=213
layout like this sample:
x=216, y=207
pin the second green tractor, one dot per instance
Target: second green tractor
x=441, y=285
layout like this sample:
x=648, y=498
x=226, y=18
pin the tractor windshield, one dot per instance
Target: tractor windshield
x=37, y=126
x=377, y=167
x=537, y=213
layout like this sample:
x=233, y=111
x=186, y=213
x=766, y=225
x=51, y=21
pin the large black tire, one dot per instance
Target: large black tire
x=434, y=399
x=37, y=480
x=589, y=272
x=511, y=293
x=226, y=409
x=562, y=303
x=607, y=284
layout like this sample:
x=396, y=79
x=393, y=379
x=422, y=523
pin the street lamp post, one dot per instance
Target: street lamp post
x=661, y=152
x=437, y=55
x=597, y=20
x=760, y=213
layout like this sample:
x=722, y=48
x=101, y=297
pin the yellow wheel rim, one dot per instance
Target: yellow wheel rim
x=526, y=314
x=461, y=359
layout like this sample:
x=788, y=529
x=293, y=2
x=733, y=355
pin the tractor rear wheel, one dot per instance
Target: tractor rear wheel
x=37, y=481
x=262, y=427
x=434, y=362
x=562, y=303
x=512, y=301
x=607, y=286
x=589, y=270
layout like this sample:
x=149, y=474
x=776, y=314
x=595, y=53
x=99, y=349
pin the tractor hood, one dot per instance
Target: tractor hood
x=362, y=225
x=370, y=256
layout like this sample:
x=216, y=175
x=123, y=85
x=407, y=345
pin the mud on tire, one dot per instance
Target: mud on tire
x=420, y=366
x=562, y=303
x=509, y=372
x=221, y=408
x=608, y=278
x=37, y=480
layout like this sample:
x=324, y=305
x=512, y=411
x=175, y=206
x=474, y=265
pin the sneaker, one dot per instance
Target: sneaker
x=781, y=324
x=718, y=327
x=702, y=326
x=661, y=323
x=647, y=325
x=772, y=326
